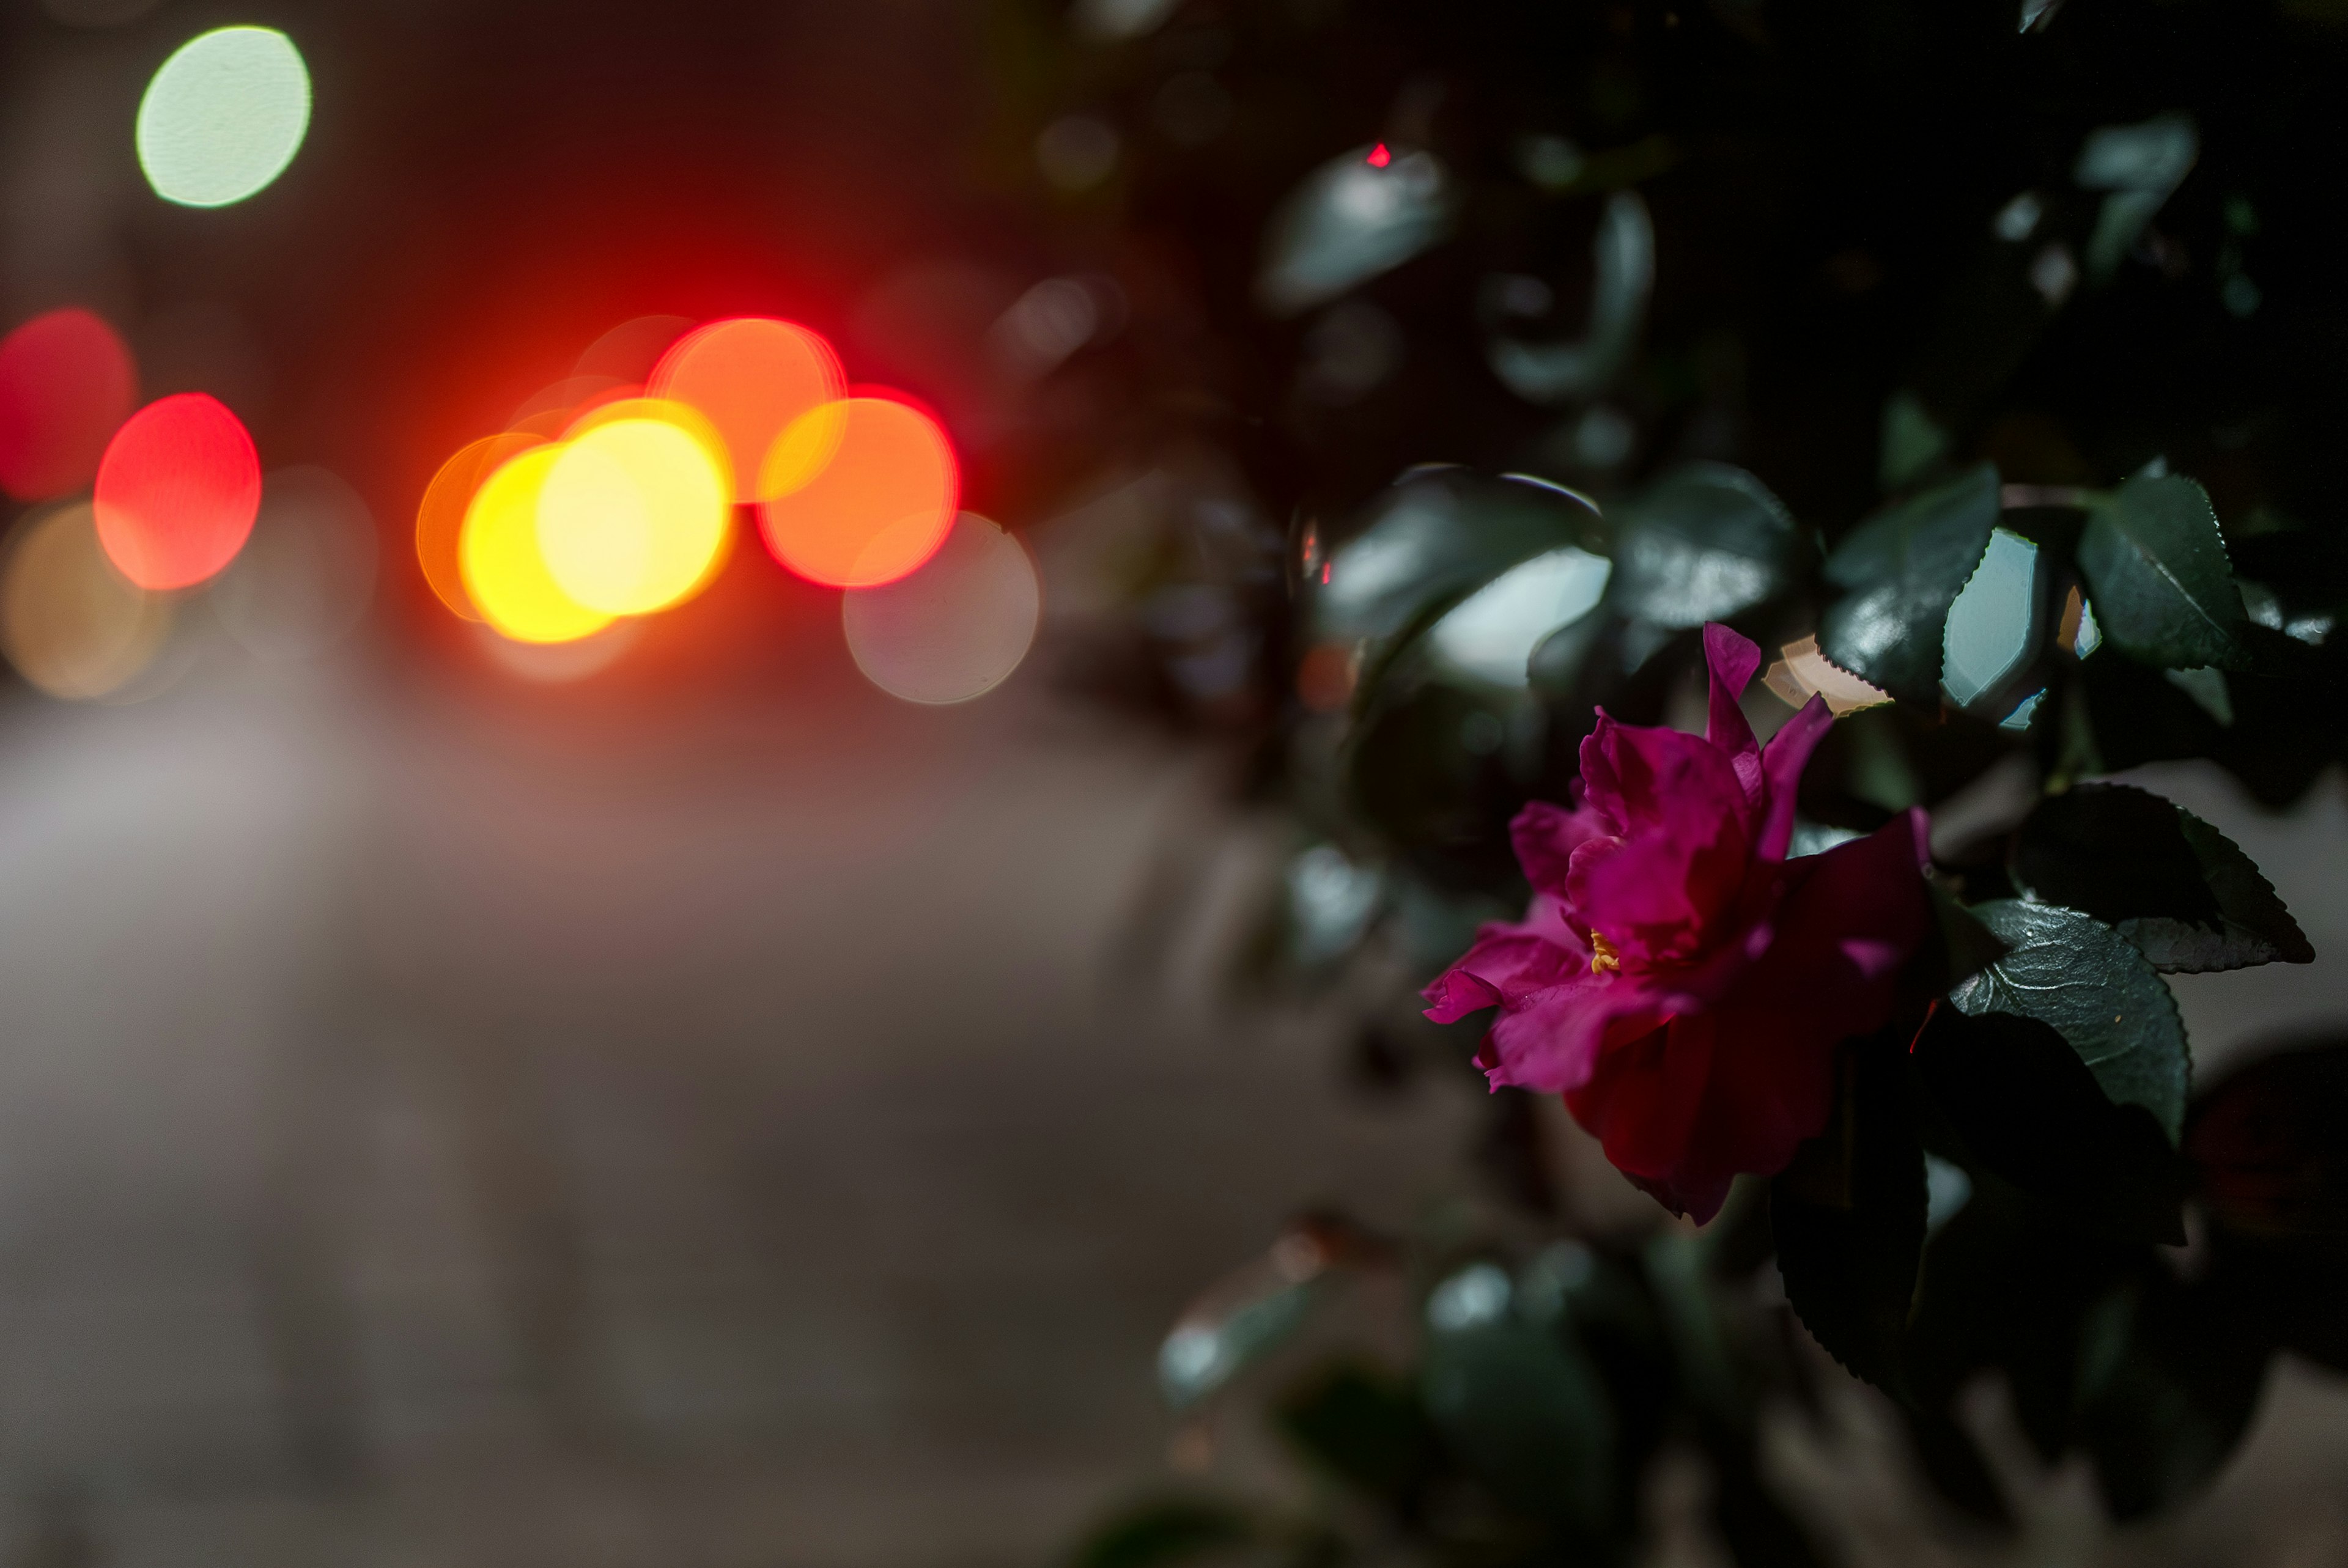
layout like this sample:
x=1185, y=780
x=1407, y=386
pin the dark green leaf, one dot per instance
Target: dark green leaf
x=1902, y=569
x=2006, y=1285
x=1519, y=1405
x=2073, y=972
x=2157, y=571
x=1348, y=221
x=1704, y=543
x=1432, y=539
x=1164, y=1532
x=1362, y=1426
x=2169, y=1375
x=2026, y=1110
x=1244, y=1317
x=2171, y=884
x=1966, y=946
x=2255, y=927
x=1417, y=773
x=1848, y=1215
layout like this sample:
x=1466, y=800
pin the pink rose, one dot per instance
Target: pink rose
x=1678, y=980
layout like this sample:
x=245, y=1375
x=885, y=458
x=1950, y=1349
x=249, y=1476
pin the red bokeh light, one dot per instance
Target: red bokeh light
x=750, y=377
x=67, y=382
x=177, y=491
x=879, y=504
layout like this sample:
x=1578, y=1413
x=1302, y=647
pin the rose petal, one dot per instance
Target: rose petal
x=1641, y=1100
x=1545, y=837
x=1788, y=753
x=1508, y=963
x=1658, y=898
x=1554, y=1041
x=1645, y=777
x=1732, y=659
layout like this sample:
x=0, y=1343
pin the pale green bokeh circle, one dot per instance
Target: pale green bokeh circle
x=223, y=116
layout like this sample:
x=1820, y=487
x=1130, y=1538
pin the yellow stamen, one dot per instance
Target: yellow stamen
x=1605, y=960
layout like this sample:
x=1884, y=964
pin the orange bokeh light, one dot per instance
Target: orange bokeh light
x=876, y=509
x=176, y=492
x=506, y=575
x=750, y=377
x=66, y=384
x=440, y=516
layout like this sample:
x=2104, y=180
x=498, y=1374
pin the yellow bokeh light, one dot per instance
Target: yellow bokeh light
x=635, y=512
x=504, y=574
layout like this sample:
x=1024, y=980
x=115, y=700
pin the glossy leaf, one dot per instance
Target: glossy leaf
x=1848, y=1217
x=1433, y=538
x=1993, y=628
x=1363, y=1427
x=2073, y=972
x=2027, y=1110
x=2172, y=1373
x=2171, y=884
x=1350, y=221
x=1625, y=272
x=1706, y=542
x=2155, y=566
x=1519, y=1405
x=1900, y=570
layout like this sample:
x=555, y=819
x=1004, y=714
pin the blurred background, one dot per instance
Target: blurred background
x=676, y=1105
x=660, y=1097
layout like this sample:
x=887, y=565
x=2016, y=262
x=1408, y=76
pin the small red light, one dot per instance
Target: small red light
x=1380, y=156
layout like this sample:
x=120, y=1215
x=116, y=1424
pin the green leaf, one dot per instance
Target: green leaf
x=1363, y=1427
x=1432, y=539
x=2157, y=571
x=2026, y=1110
x=1704, y=543
x=1848, y=1215
x=1903, y=568
x=1913, y=441
x=1966, y=946
x=1241, y=1318
x=2170, y=883
x=1519, y=1405
x=2073, y=972
x=1349, y=220
x=2171, y=1374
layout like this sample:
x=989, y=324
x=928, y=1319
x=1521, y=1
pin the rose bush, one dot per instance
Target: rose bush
x=1676, y=979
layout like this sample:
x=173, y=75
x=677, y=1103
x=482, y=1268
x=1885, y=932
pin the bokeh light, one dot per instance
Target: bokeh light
x=70, y=623
x=630, y=351
x=177, y=491
x=866, y=489
x=751, y=378
x=504, y=574
x=635, y=511
x=440, y=516
x=223, y=116
x=66, y=384
x=304, y=581
x=548, y=411
x=954, y=629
